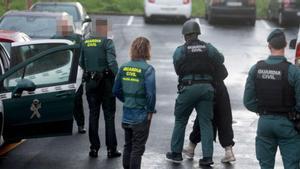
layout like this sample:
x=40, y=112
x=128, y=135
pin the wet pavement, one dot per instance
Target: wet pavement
x=242, y=46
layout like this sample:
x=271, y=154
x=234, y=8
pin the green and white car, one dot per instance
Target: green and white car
x=37, y=93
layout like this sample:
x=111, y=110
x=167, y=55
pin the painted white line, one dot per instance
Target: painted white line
x=198, y=21
x=266, y=25
x=130, y=20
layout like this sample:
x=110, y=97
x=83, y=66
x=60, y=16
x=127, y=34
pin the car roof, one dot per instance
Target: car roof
x=13, y=36
x=33, y=13
x=58, y=3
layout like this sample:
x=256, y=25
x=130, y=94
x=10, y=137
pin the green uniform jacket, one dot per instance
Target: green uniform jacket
x=250, y=100
x=212, y=52
x=109, y=51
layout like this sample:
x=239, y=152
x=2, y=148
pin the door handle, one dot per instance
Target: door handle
x=63, y=94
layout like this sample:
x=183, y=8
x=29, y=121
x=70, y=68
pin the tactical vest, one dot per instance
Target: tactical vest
x=273, y=91
x=133, y=84
x=196, y=60
x=94, y=52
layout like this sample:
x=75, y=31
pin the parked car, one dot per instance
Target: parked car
x=156, y=9
x=37, y=93
x=6, y=39
x=230, y=9
x=284, y=11
x=37, y=25
x=75, y=9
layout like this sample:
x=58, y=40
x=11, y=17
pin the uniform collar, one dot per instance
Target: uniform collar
x=277, y=57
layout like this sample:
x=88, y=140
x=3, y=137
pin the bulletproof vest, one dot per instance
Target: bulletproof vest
x=273, y=91
x=133, y=78
x=196, y=60
x=94, y=52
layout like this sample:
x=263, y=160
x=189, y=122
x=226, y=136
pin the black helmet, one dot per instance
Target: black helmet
x=190, y=27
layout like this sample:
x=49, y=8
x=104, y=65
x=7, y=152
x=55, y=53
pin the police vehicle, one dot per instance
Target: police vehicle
x=37, y=92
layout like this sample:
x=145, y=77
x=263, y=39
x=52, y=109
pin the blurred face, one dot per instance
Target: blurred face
x=101, y=28
x=64, y=28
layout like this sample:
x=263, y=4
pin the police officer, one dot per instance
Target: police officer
x=273, y=91
x=194, y=64
x=100, y=65
x=222, y=119
x=66, y=31
x=135, y=87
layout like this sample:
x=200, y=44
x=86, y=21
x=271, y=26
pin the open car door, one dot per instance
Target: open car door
x=37, y=94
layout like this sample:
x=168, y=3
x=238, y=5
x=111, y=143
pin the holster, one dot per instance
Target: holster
x=295, y=118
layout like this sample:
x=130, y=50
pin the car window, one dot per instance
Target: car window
x=52, y=69
x=21, y=53
x=6, y=45
x=71, y=10
x=33, y=26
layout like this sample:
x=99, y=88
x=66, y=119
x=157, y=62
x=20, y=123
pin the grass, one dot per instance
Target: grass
x=129, y=6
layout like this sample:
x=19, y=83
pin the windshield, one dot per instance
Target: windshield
x=33, y=26
x=71, y=10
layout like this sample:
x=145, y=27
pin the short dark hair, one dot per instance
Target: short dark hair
x=140, y=49
x=278, y=42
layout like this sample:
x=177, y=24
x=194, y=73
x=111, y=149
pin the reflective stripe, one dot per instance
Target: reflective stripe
x=51, y=89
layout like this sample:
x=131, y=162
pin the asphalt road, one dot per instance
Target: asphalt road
x=242, y=46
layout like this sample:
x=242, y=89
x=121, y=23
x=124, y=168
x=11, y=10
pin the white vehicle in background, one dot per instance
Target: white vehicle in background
x=157, y=9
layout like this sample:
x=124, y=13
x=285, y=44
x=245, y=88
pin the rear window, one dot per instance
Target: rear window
x=71, y=10
x=33, y=26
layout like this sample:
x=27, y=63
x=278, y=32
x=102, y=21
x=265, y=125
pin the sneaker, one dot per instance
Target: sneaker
x=93, y=153
x=174, y=157
x=189, y=150
x=113, y=153
x=81, y=130
x=206, y=161
x=229, y=156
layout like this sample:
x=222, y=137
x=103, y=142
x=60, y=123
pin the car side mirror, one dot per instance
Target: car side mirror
x=293, y=44
x=87, y=19
x=23, y=85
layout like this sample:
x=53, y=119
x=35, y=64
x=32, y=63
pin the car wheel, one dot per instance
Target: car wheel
x=211, y=20
x=252, y=22
x=147, y=20
x=281, y=19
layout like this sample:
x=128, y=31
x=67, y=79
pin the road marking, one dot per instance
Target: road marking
x=266, y=25
x=130, y=20
x=9, y=147
x=198, y=21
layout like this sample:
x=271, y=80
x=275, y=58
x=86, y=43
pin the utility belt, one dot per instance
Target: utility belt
x=98, y=76
x=183, y=83
x=292, y=116
x=95, y=76
x=192, y=82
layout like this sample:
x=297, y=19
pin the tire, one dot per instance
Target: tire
x=147, y=20
x=281, y=19
x=252, y=22
x=211, y=20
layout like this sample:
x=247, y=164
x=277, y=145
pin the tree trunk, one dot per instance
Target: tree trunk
x=29, y=3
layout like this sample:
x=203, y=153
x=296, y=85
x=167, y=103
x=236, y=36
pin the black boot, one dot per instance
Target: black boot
x=206, y=161
x=81, y=130
x=93, y=153
x=174, y=157
x=111, y=153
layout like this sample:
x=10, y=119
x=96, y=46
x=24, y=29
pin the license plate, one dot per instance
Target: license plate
x=234, y=3
x=298, y=13
x=168, y=9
